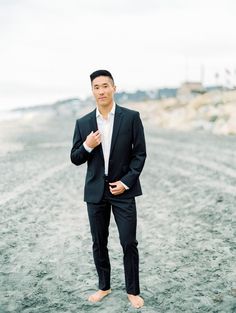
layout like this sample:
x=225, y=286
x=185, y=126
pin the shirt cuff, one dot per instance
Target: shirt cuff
x=126, y=187
x=87, y=148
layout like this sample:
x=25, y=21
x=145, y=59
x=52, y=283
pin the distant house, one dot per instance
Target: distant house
x=190, y=89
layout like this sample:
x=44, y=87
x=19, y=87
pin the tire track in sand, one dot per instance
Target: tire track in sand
x=188, y=164
x=202, y=180
x=31, y=184
x=215, y=158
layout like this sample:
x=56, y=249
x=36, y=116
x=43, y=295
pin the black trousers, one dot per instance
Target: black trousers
x=125, y=215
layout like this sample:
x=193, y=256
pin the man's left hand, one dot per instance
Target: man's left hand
x=116, y=188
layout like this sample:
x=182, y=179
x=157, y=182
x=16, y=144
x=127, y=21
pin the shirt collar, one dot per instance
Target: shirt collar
x=112, y=112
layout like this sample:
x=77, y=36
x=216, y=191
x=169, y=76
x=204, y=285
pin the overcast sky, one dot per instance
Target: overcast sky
x=48, y=48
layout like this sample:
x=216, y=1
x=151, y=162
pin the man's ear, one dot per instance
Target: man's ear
x=114, y=88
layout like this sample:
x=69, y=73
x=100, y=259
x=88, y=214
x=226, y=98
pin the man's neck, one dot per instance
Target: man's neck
x=104, y=111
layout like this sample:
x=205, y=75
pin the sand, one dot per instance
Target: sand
x=186, y=223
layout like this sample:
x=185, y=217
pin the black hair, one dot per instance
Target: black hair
x=100, y=73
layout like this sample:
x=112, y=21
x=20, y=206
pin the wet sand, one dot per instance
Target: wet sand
x=186, y=224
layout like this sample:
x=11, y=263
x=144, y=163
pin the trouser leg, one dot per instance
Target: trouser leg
x=126, y=219
x=99, y=218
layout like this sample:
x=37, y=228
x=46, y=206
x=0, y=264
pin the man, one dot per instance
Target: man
x=111, y=140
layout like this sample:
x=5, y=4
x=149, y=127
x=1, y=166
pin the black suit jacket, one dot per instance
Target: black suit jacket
x=127, y=154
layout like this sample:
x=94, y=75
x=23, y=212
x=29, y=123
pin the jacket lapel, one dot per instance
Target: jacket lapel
x=94, y=127
x=93, y=121
x=116, y=126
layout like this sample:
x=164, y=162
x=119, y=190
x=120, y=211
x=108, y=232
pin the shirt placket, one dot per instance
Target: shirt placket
x=106, y=139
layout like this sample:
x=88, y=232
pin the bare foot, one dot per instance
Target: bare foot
x=99, y=295
x=136, y=301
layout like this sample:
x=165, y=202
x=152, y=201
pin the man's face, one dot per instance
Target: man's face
x=103, y=90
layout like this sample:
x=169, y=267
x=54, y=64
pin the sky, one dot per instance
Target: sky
x=48, y=48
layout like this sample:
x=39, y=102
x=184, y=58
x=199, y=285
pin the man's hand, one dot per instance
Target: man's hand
x=93, y=139
x=116, y=188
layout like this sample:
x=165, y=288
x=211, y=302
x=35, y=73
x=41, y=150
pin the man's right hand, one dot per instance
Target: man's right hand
x=93, y=139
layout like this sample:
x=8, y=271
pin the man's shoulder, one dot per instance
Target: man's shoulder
x=86, y=117
x=128, y=111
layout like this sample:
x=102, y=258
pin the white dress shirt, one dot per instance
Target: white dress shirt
x=105, y=127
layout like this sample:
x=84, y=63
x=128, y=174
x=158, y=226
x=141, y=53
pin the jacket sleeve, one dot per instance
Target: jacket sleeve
x=138, y=155
x=78, y=153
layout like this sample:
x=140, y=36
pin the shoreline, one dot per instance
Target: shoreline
x=212, y=112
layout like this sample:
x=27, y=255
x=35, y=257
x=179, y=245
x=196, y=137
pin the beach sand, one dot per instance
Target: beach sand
x=186, y=223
